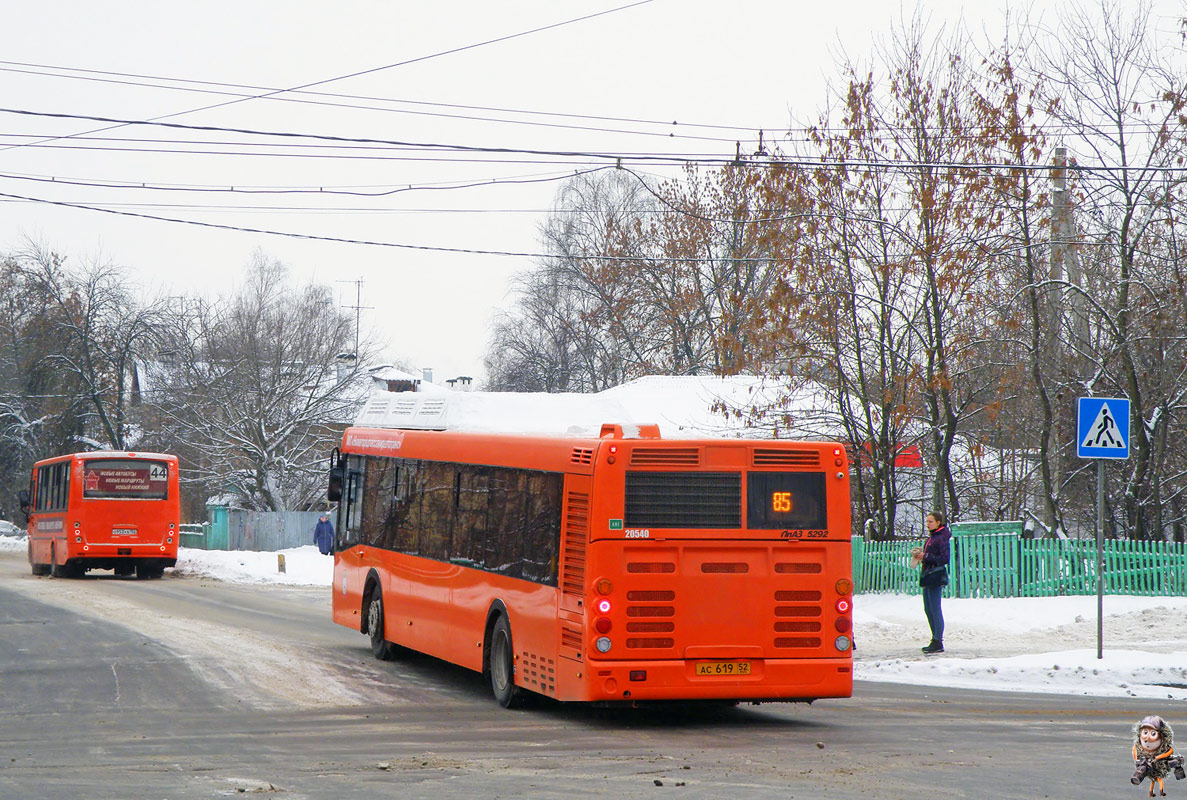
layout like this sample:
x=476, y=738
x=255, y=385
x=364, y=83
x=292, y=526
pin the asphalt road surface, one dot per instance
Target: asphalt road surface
x=192, y=688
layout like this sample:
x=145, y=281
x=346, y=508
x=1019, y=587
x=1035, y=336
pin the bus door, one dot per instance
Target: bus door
x=349, y=574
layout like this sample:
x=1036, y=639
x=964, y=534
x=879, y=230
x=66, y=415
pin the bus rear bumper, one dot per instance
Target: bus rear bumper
x=769, y=680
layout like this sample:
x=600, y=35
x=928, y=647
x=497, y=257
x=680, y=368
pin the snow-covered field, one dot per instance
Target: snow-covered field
x=1019, y=644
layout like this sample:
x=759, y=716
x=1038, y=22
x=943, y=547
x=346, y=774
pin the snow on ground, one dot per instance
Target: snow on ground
x=1044, y=644
x=304, y=566
x=1018, y=644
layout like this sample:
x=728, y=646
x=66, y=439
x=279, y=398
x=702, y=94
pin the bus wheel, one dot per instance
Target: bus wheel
x=148, y=572
x=502, y=666
x=381, y=648
x=56, y=569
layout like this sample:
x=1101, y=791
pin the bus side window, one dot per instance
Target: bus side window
x=351, y=509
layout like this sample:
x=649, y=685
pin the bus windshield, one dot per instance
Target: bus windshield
x=125, y=479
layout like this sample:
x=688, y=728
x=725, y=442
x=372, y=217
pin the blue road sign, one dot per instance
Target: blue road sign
x=1102, y=427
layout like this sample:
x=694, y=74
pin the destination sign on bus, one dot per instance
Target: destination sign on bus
x=128, y=479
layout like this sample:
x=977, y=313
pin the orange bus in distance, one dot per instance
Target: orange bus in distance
x=618, y=569
x=103, y=510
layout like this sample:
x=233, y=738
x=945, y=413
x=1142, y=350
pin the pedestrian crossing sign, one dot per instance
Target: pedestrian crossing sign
x=1102, y=427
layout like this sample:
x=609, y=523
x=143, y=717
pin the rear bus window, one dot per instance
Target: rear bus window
x=125, y=479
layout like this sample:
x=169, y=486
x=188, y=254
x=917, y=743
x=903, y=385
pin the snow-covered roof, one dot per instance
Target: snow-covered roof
x=684, y=407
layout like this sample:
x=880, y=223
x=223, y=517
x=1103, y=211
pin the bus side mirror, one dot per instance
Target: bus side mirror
x=23, y=497
x=337, y=476
x=334, y=490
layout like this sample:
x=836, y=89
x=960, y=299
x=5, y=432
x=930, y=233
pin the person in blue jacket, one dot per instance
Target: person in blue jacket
x=323, y=535
x=933, y=558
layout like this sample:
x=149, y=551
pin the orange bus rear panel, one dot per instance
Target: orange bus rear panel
x=104, y=510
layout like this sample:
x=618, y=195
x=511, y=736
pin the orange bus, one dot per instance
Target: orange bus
x=103, y=510
x=621, y=569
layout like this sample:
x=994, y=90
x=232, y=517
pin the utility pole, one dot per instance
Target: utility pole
x=358, y=310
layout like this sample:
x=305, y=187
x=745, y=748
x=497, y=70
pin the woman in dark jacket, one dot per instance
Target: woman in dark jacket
x=323, y=535
x=934, y=553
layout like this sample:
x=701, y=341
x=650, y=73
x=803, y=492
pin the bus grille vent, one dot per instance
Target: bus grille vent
x=797, y=611
x=538, y=673
x=650, y=627
x=581, y=455
x=798, y=568
x=576, y=536
x=570, y=637
x=795, y=641
x=726, y=567
x=431, y=408
x=683, y=499
x=659, y=596
x=786, y=596
x=805, y=626
x=650, y=566
x=769, y=457
x=654, y=456
x=650, y=611
x=651, y=643
x=403, y=406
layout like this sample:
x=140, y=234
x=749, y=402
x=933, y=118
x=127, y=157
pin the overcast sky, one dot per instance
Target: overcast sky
x=423, y=73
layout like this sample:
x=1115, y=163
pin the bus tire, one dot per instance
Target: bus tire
x=381, y=648
x=146, y=572
x=57, y=570
x=501, y=665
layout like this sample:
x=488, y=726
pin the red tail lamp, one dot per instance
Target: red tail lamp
x=603, y=625
x=843, y=605
x=603, y=606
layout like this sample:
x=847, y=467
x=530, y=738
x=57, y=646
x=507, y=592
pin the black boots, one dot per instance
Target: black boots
x=934, y=647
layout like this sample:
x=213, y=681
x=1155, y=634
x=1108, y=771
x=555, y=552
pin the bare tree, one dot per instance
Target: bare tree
x=255, y=390
x=1120, y=97
x=103, y=327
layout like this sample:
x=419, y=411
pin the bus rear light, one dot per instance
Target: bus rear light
x=78, y=538
x=604, y=586
x=170, y=526
x=169, y=540
x=603, y=606
x=162, y=548
x=638, y=674
x=840, y=476
x=843, y=624
x=838, y=462
x=842, y=643
x=76, y=524
x=843, y=606
x=837, y=451
x=602, y=625
x=86, y=547
x=603, y=644
x=844, y=586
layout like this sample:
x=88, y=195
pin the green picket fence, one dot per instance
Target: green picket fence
x=993, y=560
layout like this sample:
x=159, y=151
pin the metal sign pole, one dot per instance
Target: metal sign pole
x=1102, y=431
x=1100, y=558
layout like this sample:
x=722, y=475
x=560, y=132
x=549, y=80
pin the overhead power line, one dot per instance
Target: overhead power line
x=382, y=68
x=766, y=162
x=369, y=242
x=670, y=129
